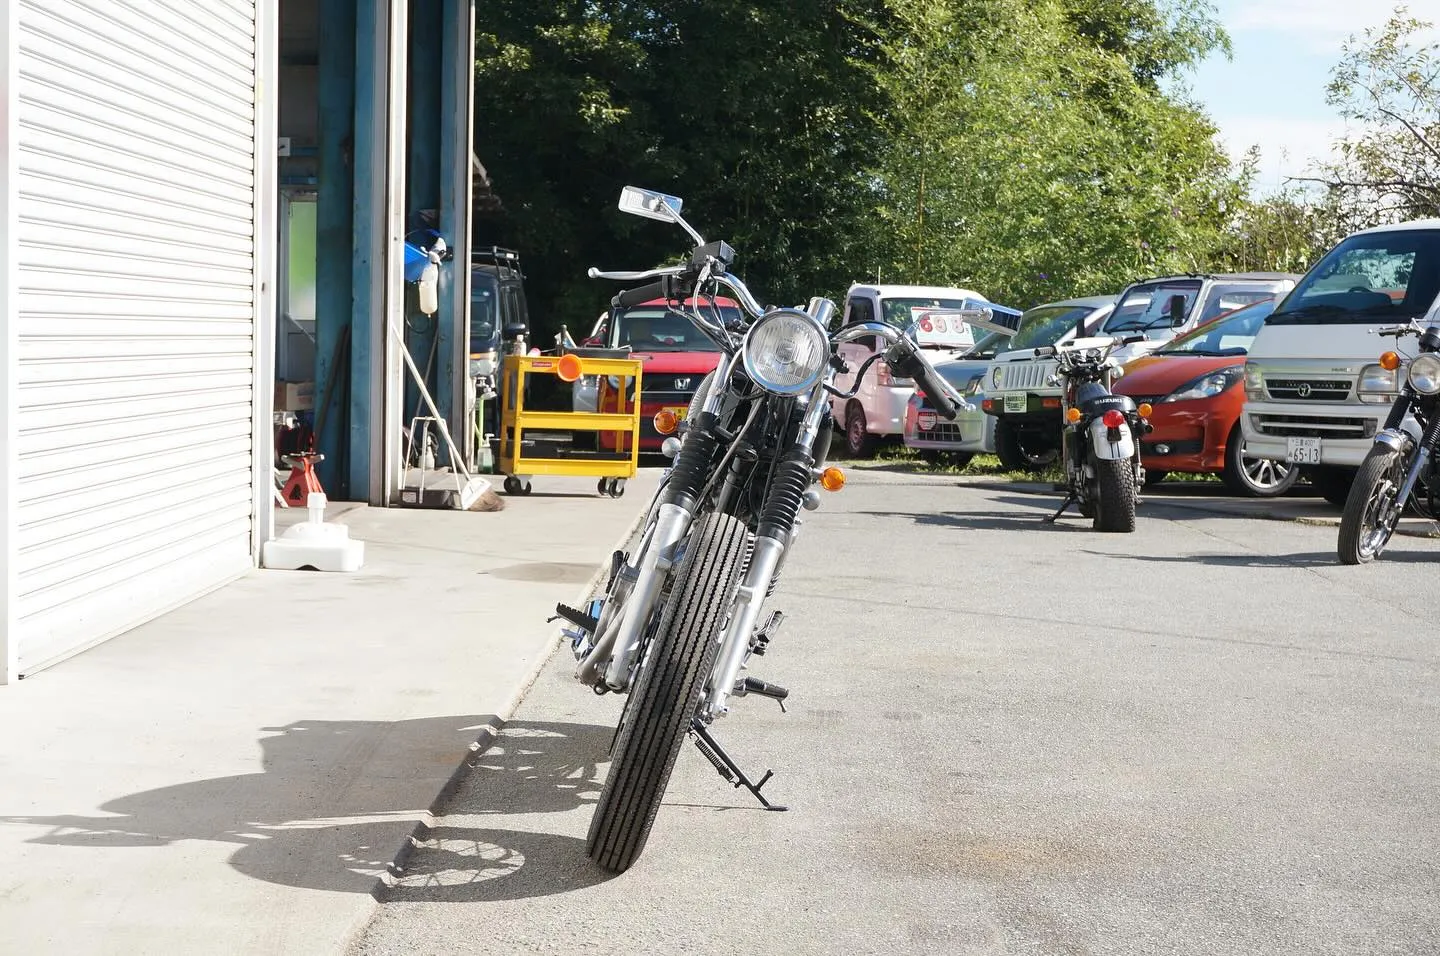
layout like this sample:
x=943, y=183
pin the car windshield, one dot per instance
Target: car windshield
x=1382, y=277
x=1045, y=325
x=657, y=329
x=484, y=304
x=1228, y=335
x=987, y=347
x=1147, y=306
x=897, y=312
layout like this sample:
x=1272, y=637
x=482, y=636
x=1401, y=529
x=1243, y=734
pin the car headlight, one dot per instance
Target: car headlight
x=1378, y=384
x=1206, y=386
x=1425, y=374
x=974, y=385
x=786, y=352
x=995, y=376
x=1254, y=384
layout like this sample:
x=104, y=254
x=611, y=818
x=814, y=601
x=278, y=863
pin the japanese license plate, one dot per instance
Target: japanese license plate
x=926, y=421
x=1303, y=451
x=1017, y=402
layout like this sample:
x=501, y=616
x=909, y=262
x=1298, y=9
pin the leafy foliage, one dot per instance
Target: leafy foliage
x=1388, y=84
x=1021, y=147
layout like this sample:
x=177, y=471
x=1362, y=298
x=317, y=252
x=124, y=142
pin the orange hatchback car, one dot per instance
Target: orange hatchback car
x=1196, y=386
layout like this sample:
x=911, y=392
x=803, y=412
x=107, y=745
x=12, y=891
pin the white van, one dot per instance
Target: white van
x=1315, y=393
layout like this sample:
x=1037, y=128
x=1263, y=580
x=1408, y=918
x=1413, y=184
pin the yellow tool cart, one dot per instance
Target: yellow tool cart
x=520, y=457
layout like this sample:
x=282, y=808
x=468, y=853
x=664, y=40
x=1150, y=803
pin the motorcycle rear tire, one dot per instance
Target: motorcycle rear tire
x=1115, y=496
x=667, y=692
x=1351, y=546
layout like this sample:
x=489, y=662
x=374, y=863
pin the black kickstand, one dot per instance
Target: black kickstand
x=1069, y=500
x=728, y=769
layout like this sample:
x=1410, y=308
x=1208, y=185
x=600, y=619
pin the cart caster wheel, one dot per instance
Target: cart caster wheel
x=602, y=487
x=512, y=486
x=617, y=490
x=527, y=489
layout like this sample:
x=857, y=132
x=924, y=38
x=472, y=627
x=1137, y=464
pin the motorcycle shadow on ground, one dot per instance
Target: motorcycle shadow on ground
x=334, y=808
x=1316, y=559
x=1029, y=520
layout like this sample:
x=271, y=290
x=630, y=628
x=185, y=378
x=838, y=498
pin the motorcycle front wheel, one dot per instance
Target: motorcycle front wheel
x=1114, y=495
x=667, y=692
x=1371, y=510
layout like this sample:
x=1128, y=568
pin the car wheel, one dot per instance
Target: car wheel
x=1255, y=477
x=859, y=443
x=1333, y=484
x=1019, y=453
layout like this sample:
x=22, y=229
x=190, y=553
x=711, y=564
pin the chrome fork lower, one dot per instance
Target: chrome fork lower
x=620, y=636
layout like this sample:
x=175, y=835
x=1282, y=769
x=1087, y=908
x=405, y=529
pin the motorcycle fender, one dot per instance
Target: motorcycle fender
x=1398, y=439
x=1111, y=450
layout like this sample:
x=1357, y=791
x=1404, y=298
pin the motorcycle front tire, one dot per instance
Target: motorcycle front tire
x=667, y=692
x=1356, y=544
x=1115, y=495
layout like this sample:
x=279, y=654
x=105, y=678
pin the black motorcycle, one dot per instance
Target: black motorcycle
x=1400, y=467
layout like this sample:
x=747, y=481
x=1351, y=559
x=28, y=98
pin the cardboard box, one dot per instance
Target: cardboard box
x=294, y=396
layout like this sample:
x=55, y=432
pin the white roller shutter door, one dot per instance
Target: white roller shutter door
x=137, y=312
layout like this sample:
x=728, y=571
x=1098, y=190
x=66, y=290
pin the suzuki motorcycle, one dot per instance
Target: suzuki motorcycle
x=1400, y=467
x=1103, y=474
x=681, y=617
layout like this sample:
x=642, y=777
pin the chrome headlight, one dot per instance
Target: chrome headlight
x=1206, y=386
x=1378, y=384
x=786, y=352
x=995, y=375
x=1425, y=373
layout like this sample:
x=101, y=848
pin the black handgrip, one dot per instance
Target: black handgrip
x=1132, y=339
x=907, y=362
x=1045, y=350
x=662, y=288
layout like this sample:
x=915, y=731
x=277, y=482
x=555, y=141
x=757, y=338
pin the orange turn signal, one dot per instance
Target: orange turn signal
x=1145, y=409
x=1390, y=361
x=666, y=421
x=568, y=368
x=1072, y=415
x=832, y=479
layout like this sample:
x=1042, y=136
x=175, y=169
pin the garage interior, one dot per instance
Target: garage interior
x=375, y=145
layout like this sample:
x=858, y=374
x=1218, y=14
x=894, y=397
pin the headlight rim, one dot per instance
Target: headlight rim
x=1430, y=361
x=747, y=354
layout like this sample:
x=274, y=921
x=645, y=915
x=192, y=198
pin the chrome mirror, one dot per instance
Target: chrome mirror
x=650, y=204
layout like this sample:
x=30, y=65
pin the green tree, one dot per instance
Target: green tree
x=1387, y=84
x=754, y=113
x=1030, y=160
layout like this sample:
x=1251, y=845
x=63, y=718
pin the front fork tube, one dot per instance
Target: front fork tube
x=776, y=534
x=617, y=642
x=744, y=614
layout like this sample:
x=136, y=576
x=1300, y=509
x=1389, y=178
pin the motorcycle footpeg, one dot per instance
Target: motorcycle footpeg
x=754, y=685
x=577, y=617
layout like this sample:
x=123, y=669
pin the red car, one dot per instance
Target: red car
x=1196, y=386
x=677, y=358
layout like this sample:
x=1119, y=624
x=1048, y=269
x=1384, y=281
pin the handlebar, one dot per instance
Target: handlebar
x=905, y=360
x=1398, y=330
x=666, y=287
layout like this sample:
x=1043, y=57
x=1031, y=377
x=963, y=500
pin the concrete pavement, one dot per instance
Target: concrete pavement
x=235, y=776
x=1004, y=737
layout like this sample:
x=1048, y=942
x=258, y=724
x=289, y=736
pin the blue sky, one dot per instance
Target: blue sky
x=1272, y=92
